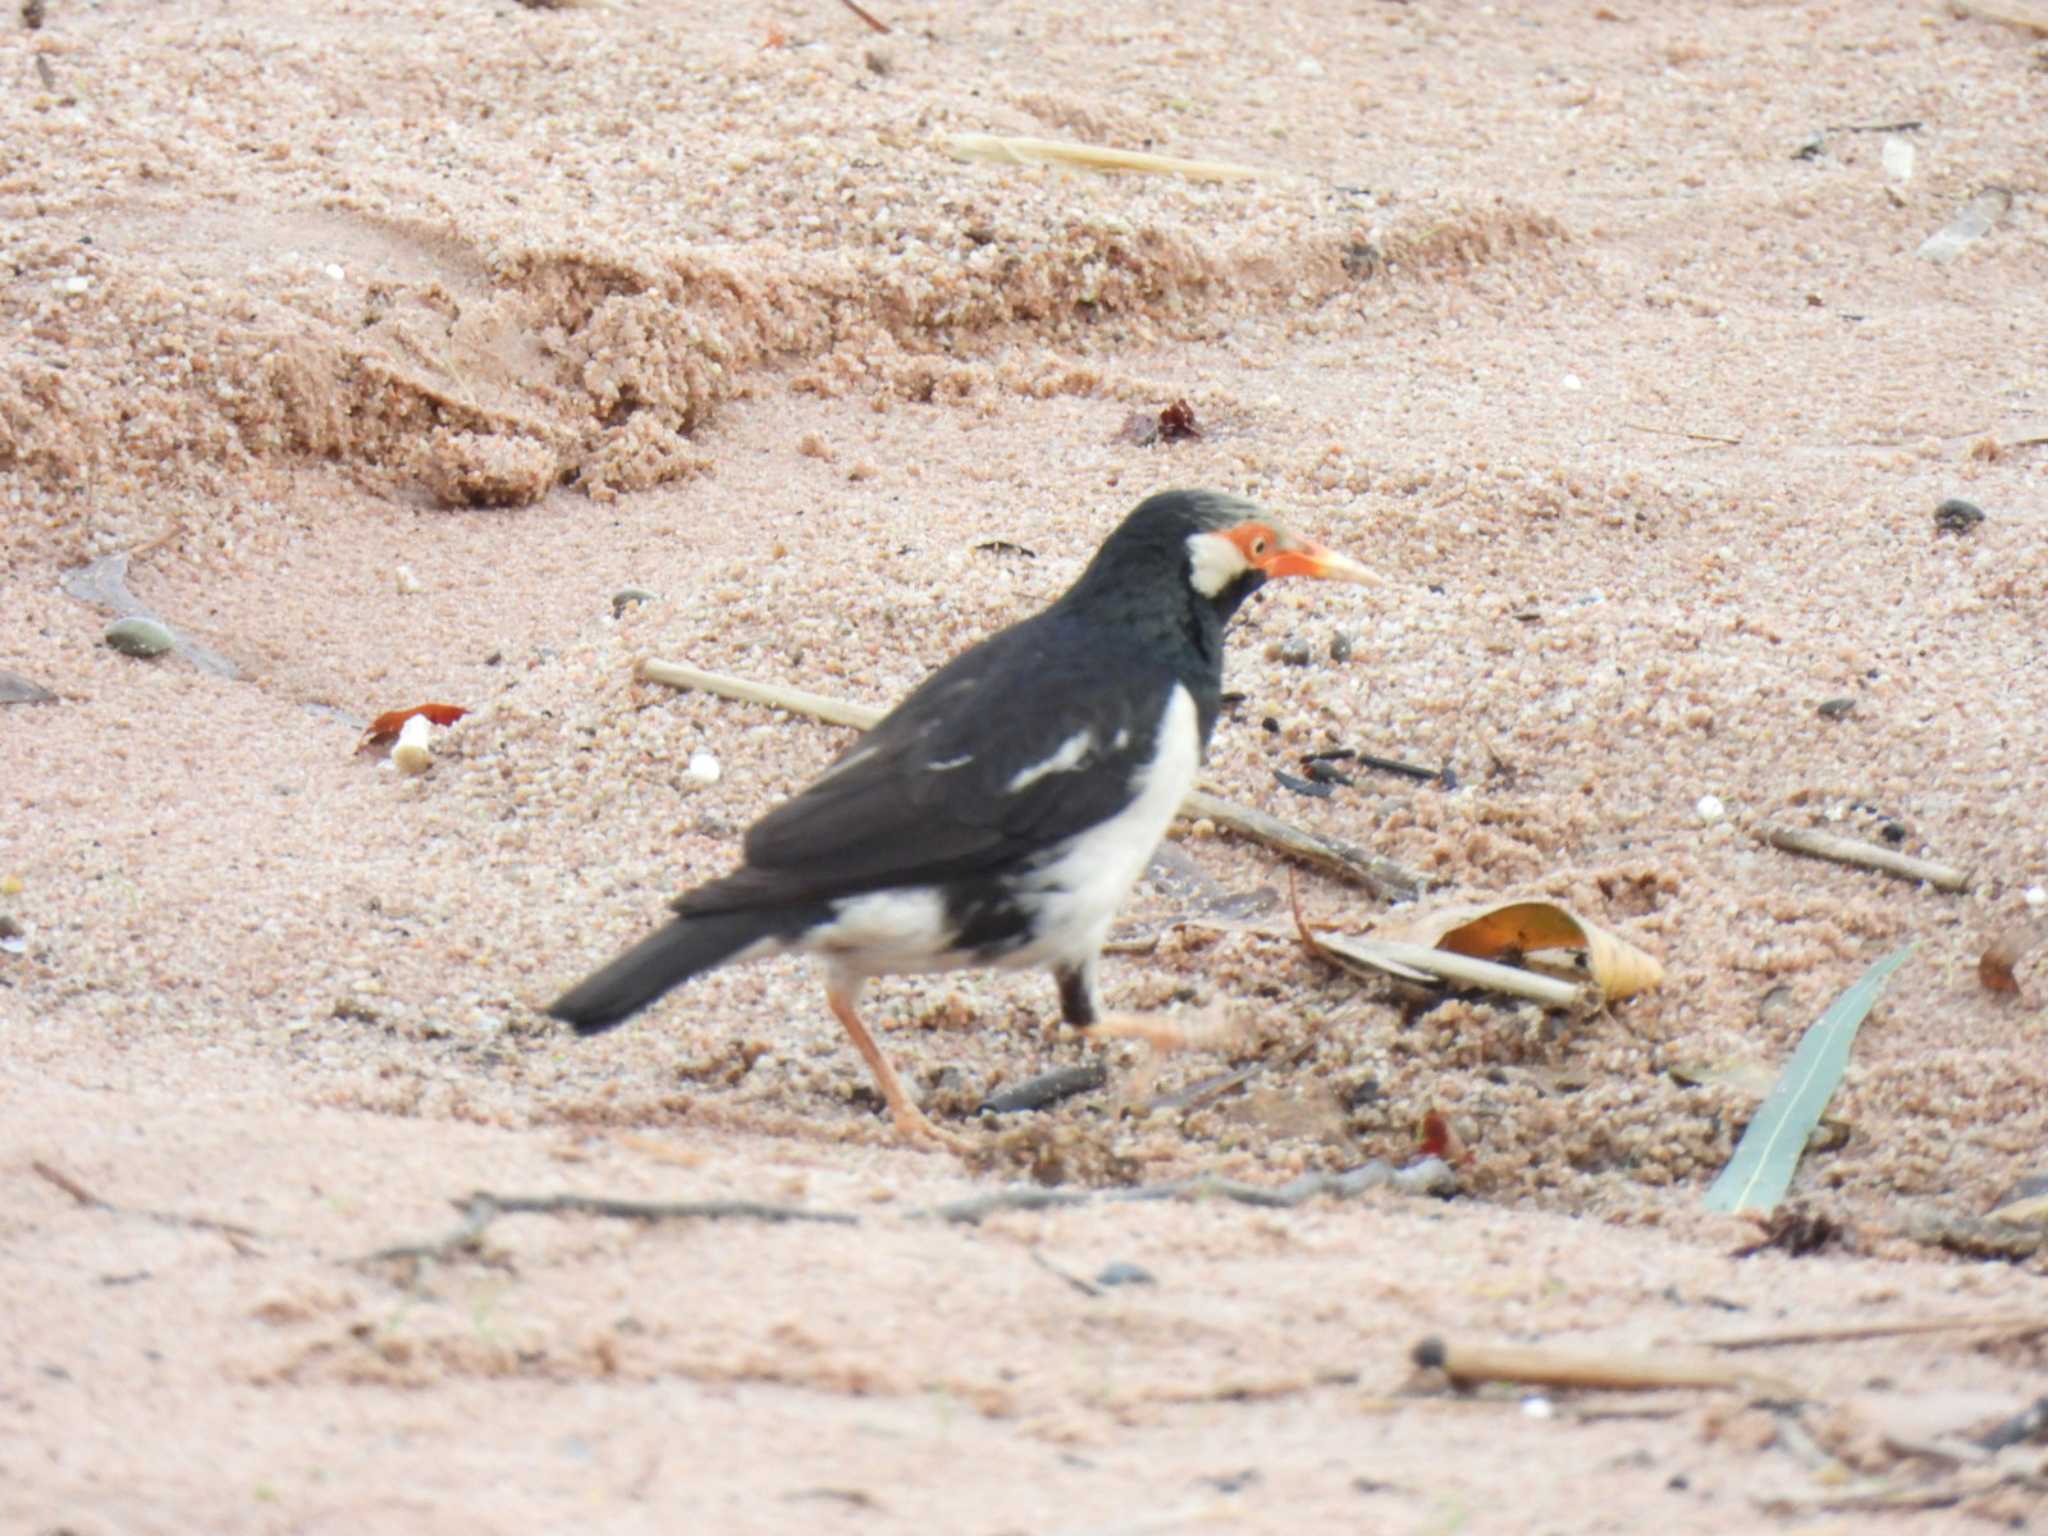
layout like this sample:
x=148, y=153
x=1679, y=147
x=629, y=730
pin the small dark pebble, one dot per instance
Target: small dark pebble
x=1270, y=726
x=1290, y=652
x=1893, y=832
x=1307, y=787
x=1323, y=771
x=626, y=597
x=1957, y=516
x=1232, y=1482
x=1448, y=779
x=1837, y=709
x=1340, y=646
x=1123, y=1273
x=1047, y=1089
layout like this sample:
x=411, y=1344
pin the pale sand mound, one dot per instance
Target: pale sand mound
x=394, y=343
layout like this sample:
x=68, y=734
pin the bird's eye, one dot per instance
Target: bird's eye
x=1258, y=548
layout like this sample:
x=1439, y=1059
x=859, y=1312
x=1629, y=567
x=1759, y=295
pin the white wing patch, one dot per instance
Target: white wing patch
x=1072, y=754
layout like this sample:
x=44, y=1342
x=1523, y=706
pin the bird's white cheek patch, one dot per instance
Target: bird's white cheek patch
x=1072, y=754
x=1213, y=563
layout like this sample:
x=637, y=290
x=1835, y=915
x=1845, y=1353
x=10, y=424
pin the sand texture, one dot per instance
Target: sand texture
x=376, y=348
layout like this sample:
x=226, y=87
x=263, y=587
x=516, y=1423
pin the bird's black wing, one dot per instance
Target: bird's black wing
x=943, y=787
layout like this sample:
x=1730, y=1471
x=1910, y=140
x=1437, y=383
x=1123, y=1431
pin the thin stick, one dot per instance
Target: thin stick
x=1854, y=1332
x=1848, y=850
x=878, y=25
x=69, y=1185
x=1431, y=1176
x=1605, y=1370
x=479, y=1210
x=1697, y=437
x=2027, y=17
x=1089, y=157
x=238, y=1236
x=1383, y=877
x=817, y=705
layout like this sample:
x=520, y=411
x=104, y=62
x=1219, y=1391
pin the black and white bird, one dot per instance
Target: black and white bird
x=1000, y=814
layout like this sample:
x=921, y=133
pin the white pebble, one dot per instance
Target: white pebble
x=77, y=283
x=2036, y=897
x=1538, y=1407
x=1710, y=809
x=407, y=582
x=412, y=754
x=704, y=767
x=1571, y=381
x=334, y=272
x=1309, y=69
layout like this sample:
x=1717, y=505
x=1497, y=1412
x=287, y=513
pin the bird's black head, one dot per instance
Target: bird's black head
x=1201, y=550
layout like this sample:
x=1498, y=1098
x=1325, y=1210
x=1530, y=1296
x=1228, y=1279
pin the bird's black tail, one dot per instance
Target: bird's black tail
x=665, y=958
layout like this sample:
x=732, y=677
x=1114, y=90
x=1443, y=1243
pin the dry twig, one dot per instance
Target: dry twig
x=877, y=23
x=2029, y=18
x=482, y=1208
x=2017, y=1326
x=239, y=1237
x=1606, y=1370
x=1847, y=850
x=1383, y=877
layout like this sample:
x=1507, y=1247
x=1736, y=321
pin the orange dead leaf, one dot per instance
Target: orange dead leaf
x=1995, y=965
x=1435, y=1138
x=385, y=727
x=1518, y=929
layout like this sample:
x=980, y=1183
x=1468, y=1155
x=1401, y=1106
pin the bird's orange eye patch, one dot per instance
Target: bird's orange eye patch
x=1255, y=541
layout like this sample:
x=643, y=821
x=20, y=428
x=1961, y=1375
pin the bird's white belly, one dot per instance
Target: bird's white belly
x=1076, y=896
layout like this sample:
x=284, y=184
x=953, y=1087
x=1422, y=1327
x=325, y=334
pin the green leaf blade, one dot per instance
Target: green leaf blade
x=1761, y=1170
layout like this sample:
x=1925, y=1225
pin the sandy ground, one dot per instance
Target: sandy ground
x=391, y=341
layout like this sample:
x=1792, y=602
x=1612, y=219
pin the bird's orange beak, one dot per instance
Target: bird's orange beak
x=1274, y=552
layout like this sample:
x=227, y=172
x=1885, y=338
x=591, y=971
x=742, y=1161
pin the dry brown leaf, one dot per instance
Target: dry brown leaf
x=1995, y=965
x=1518, y=929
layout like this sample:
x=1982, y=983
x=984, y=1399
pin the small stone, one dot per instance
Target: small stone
x=812, y=445
x=1340, y=646
x=1957, y=516
x=407, y=582
x=1120, y=1272
x=140, y=637
x=704, y=768
x=1710, y=809
x=1836, y=709
x=333, y=272
x=626, y=597
x=2036, y=897
x=1291, y=652
x=866, y=469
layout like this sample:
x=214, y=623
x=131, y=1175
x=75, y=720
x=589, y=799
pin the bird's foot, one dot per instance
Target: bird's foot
x=912, y=1124
x=1207, y=1031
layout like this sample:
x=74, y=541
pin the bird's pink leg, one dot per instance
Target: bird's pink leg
x=911, y=1122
